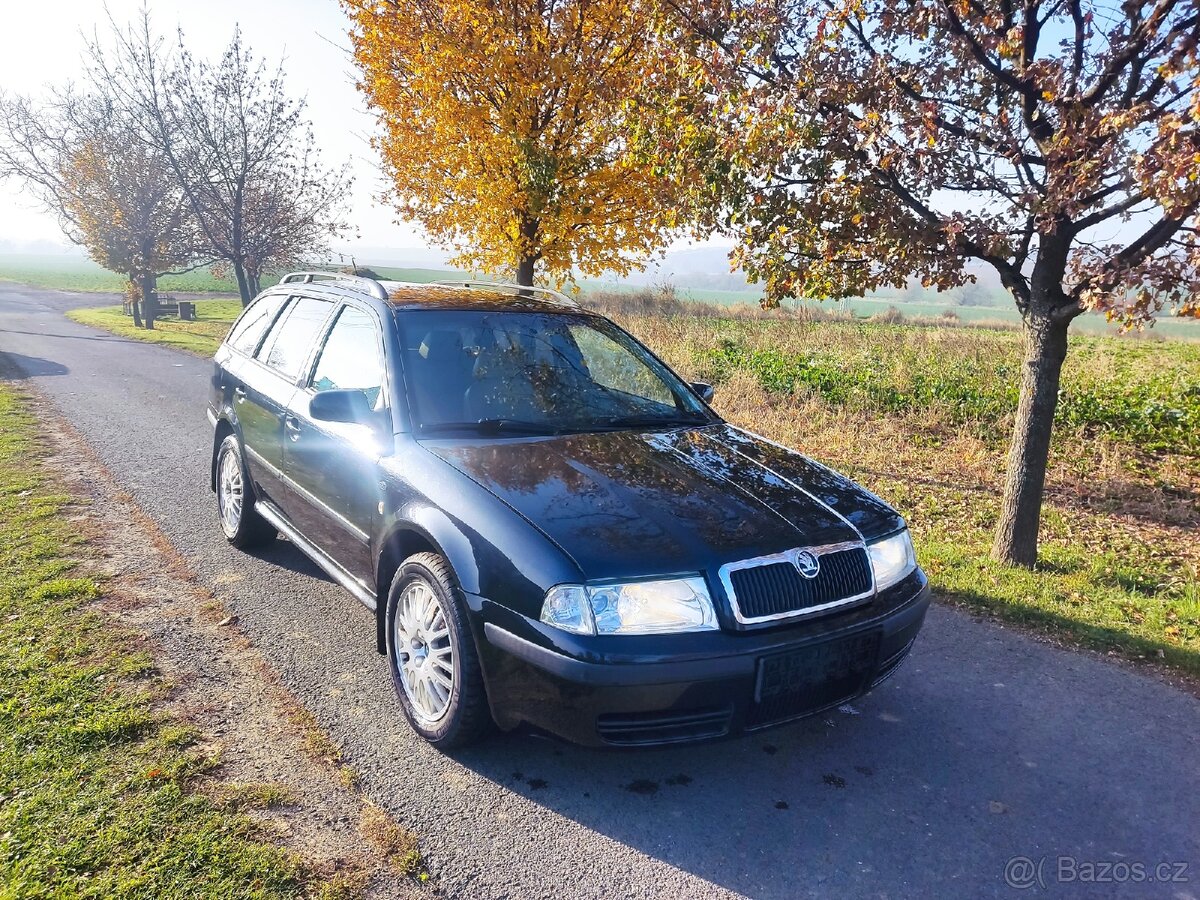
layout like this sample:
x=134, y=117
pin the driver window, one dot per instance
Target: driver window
x=350, y=358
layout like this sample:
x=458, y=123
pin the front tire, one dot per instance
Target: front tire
x=243, y=526
x=431, y=655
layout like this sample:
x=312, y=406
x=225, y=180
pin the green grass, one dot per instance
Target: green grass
x=1110, y=591
x=77, y=273
x=94, y=781
x=1147, y=394
x=68, y=272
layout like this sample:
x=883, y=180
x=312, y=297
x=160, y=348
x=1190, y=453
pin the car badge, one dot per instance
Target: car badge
x=808, y=564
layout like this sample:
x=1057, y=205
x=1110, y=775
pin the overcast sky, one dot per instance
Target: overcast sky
x=42, y=44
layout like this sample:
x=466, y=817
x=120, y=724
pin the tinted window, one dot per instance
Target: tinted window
x=613, y=368
x=350, y=358
x=287, y=346
x=530, y=371
x=254, y=321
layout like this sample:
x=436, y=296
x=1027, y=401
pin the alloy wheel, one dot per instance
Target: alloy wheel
x=230, y=492
x=424, y=652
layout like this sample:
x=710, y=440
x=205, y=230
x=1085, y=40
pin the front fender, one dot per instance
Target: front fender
x=494, y=552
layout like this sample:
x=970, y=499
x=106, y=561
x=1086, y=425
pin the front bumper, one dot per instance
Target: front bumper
x=708, y=687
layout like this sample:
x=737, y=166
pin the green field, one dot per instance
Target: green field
x=75, y=273
x=1007, y=316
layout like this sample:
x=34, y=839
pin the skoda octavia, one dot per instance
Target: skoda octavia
x=552, y=529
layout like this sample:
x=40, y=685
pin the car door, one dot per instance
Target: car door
x=333, y=467
x=266, y=385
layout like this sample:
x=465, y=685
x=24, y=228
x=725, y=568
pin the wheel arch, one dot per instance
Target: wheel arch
x=425, y=531
x=223, y=429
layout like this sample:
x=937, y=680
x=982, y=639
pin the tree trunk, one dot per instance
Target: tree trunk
x=255, y=282
x=525, y=271
x=148, y=283
x=1016, y=539
x=529, y=254
x=239, y=272
x=135, y=300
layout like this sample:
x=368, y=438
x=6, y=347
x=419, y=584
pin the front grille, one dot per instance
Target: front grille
x=778, y=589
x=674, y=727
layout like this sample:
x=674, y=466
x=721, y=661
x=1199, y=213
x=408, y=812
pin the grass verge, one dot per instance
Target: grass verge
x=94, y=782
x=202, y=337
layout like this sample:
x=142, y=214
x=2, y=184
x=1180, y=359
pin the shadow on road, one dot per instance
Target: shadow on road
x=286, y=555
x=980, y=762
x=18, y=366
x=101, y=337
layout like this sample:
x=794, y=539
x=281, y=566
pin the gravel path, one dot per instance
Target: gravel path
x=986, y=746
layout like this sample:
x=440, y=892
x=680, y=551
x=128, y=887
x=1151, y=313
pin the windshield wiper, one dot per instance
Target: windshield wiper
x=496, y=426
x=647, y=421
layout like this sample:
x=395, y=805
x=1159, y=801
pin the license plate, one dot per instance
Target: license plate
x=822, y=664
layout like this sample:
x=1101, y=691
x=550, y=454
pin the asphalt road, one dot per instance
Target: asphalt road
x=986, y=746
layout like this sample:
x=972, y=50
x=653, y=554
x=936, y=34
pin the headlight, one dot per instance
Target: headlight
x=892, y=559
x=636, y=607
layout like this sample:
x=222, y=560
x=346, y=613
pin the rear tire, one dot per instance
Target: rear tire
x=243, y=526
x=432, y=657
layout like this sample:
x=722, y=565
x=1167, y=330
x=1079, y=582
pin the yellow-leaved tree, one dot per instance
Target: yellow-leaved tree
x=128, y=210
x=505, y=129
x=115, y=195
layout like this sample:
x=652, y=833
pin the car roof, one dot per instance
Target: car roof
x=409, y=296
x=405, y=295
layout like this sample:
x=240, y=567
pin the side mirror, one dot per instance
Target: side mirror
x=340, y=406
x=703, y=390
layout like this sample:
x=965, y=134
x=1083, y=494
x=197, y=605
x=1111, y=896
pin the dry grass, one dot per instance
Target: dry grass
x=392, y=841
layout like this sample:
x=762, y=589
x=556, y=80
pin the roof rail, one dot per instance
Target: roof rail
x=554, y=296
x=359, y=282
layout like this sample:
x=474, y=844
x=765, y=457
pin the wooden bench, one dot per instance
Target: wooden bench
x=167, y=306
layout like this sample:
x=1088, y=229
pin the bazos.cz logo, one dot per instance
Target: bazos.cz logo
x=1024, y=872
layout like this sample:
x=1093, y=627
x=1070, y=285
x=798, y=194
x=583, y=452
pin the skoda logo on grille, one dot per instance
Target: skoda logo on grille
x=808, y=564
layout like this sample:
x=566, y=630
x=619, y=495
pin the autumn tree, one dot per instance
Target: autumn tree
x=112, y=195
x=861, y=142
x=504, y=129
x=239, y=145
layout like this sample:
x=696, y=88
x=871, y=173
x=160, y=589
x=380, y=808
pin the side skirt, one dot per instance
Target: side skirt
x=331, y=568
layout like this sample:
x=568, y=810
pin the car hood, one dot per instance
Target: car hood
x=633, y=504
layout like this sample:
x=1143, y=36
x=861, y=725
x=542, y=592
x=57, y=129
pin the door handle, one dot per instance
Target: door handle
x=292, y=425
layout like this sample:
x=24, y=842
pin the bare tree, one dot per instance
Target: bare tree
x=240, y=147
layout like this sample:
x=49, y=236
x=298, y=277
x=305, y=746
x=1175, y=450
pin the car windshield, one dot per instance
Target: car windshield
x=525, y=372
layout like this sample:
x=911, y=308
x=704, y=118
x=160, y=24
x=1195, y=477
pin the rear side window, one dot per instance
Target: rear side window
x=254, y=321
x=287, y=346
x=350, y=358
